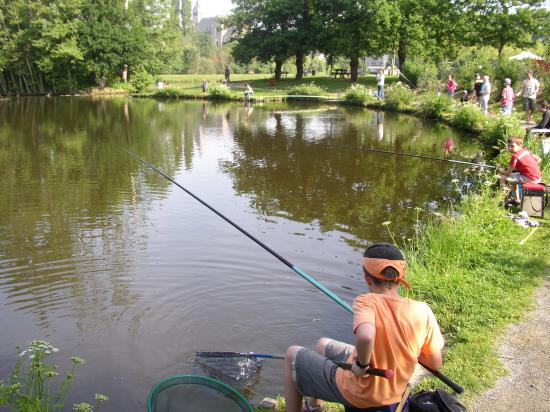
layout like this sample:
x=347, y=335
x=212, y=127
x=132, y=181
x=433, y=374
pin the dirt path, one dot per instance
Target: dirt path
x=525, y=350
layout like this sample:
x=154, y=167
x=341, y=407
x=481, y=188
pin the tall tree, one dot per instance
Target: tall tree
x=356, y=28
x=500, y=23
x=263, y=31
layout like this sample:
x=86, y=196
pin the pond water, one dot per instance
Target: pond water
x=109, y=261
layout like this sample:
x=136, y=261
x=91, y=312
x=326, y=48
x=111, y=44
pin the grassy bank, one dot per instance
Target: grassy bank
x=478, y=279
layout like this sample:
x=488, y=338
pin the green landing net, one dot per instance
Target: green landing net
x=193, y=393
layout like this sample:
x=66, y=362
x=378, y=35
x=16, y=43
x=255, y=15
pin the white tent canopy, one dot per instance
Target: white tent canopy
x=525, y=55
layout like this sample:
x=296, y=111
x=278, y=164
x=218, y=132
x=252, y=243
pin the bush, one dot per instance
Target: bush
x=513, y=69
x=399, y=97
x=219, y=91
x=434, y=105
x=140, y=79
x=306, y=89
x=498, y=130
x=359, y=92
x=469, y=117
x=420, y=74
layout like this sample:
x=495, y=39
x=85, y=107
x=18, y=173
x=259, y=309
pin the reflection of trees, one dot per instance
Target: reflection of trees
x=286, y=170
x=72, y=203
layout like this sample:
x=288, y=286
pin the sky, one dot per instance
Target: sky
x=211, y=8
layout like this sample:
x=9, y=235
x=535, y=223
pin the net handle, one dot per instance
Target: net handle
x=384, y=373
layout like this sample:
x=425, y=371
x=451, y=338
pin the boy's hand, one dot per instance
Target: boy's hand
x=358, y=370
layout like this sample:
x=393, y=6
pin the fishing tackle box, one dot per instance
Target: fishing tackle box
x=534, y=198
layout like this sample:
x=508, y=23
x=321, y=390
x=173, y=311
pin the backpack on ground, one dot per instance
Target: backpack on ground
x=435, y=401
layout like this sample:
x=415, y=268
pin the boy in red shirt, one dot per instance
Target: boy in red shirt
x=526, y=165
x=391, y=332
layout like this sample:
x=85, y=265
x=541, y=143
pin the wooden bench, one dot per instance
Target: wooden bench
x=340, y=72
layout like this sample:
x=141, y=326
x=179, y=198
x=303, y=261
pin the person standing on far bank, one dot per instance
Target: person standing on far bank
x=507, y=97
x=485, y=94
x=380, y=84
x=451, y=86
x=529, y=89
x=227, y=73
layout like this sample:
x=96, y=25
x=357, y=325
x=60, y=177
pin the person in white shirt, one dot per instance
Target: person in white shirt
x=380, y=84
x=529, y=89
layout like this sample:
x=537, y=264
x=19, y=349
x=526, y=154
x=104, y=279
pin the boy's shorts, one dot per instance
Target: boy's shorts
x=529, y=104
x=315, y=375
x=519, y=178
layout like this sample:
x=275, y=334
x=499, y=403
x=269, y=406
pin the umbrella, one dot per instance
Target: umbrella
x=525, y=55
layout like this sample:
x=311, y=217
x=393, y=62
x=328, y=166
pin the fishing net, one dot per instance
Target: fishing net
x=240, y=370
x=192, y=393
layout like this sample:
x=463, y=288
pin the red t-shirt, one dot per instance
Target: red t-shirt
x=524, y=162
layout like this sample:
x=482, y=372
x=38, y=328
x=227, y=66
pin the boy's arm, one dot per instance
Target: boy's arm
x=364, y=345
x=432, y=360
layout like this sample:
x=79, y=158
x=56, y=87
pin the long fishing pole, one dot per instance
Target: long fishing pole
x=456, y=387
x=365, y=149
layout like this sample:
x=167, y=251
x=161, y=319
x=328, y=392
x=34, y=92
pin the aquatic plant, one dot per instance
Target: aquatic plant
x=29, y=387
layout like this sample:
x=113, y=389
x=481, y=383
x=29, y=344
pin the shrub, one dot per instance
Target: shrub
x=307, y=89
x=172, y=92
x=29, y=388
x=359, y=92
x=399, y=97
x=140, y=79
x=420, y=74
x=219, y=91
x=434, y=105
x=469, y=117
x=498, y=130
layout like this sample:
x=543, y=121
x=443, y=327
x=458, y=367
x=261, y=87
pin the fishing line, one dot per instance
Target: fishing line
x=365, y=149
x=457, y=388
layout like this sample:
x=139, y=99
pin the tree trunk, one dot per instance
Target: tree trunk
x=401, y=54
x=3, y=83
x=33, y=81
x=278, y=69
x=354, y=68
x=299, y=65
x=40, y=82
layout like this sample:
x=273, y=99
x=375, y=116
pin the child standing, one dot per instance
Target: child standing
x=508, y=96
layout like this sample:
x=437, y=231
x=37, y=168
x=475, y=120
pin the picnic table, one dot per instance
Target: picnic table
x=340, y=72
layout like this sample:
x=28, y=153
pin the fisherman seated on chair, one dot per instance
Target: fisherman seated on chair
x=391, y=332
x=526, y=166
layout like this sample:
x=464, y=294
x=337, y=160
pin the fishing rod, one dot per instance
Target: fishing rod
x=365, y=149
x=456, y=387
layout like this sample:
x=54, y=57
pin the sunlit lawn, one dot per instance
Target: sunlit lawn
x=264, y=85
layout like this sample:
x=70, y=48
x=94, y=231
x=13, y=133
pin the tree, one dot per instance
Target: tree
x=500, y=23
x=428, y=29
x=355, y=28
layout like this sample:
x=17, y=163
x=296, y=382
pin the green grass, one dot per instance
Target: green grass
x=478, y=280
x=263, y=85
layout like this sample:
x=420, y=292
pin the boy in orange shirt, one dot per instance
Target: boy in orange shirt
x=391, y=332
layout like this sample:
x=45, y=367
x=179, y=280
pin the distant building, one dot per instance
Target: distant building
x=211, y=25
x=376, y=63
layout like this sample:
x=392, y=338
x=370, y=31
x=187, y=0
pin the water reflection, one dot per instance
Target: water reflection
x=125, y=269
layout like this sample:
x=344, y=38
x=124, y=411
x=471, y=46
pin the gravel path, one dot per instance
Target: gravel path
x=525, y=350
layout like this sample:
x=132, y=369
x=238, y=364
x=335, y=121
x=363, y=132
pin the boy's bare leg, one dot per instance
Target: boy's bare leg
x=293, y=397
